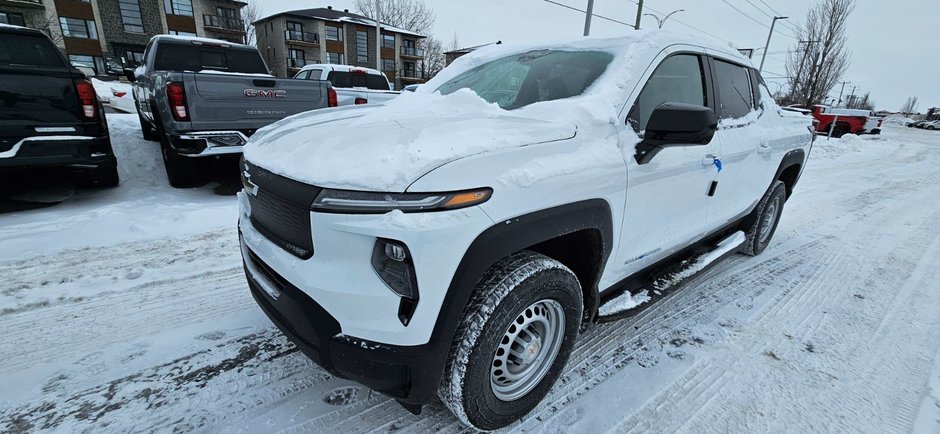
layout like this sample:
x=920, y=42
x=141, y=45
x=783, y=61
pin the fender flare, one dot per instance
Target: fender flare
x=510, y=236
x=796, y=157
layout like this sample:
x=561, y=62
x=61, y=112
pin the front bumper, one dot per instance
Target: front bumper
x=410, y=374
x=81, y=151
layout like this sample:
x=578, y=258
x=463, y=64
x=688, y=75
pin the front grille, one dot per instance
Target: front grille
x=273, y=278
x=280, y=210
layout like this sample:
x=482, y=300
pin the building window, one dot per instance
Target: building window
x=12, y=18
x=388, y=41
x=76, y=28
x=178, y=7
x=130, y=15
x=388, y=65
x=182, y=33
x=296, y=58
x=133, y=59
x=335, y=58
x=94, y=63
x=362, y=46
x=409, y=70
x=225, y=12
x=333, y=33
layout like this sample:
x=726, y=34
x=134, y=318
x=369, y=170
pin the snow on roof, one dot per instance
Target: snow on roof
x=344, y=16
x=336, y=67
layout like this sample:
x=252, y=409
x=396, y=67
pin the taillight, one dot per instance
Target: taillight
x=88, y=99
x=177, y=98
x=331, y=99
x=361, y=101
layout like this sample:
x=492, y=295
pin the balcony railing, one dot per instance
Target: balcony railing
x=413, y=73
x=412, y=51
x=225, y=23
x=24, y=3
x=295, y=36
x=297, y=63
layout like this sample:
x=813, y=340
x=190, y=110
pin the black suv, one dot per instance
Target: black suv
x=49, y=112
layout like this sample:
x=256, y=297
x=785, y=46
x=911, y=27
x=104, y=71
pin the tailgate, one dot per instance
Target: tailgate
x=39, y=97
x=249, y=102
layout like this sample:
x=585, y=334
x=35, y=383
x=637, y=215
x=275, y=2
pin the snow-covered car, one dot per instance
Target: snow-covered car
x=354, y=85
x=454, y=242
x=931, y=125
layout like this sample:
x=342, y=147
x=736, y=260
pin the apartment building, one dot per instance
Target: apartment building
x=107, y=35
x=290, y=40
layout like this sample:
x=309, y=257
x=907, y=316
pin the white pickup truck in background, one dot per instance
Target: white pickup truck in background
x=354, y=85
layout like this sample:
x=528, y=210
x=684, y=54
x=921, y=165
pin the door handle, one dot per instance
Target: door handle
x=764, y=148
x=709, y=160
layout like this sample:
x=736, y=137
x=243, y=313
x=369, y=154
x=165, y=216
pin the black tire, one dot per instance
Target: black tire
x=760, y=227
x=103, y=177
x=149, y=134
x=182, y=172
x=839, y=131
x=510, y=291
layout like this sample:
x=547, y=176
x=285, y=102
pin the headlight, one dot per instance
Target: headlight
x=360, y=202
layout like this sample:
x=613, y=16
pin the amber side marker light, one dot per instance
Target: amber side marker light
x=465, y=199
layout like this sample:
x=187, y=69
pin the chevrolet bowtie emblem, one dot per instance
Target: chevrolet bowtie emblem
x=250, y=187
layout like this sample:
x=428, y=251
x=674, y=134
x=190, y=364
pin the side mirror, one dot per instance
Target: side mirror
x=676, y=124
x=129, y=73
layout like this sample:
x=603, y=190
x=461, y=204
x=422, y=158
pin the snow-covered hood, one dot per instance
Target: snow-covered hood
x=387, y=148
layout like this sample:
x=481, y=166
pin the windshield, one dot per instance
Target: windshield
x=357, y=79
x=522, y=79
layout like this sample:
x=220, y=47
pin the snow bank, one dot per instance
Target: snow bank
x=624, y=302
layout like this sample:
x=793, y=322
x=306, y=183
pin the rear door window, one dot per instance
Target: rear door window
x=28, y=50
x=193, y=57
x=735, y=95
x=679, y=78
x=344, y=79
x=315, y=74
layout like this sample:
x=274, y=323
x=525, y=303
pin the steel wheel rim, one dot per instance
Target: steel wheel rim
x=770, y=217
x=527, y=350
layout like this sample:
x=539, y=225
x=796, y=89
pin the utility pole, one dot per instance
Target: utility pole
x=587, y=18
x=841, y=91
x=767, y=45
x=639, y=14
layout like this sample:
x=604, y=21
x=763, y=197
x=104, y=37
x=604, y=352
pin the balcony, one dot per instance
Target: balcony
x=412, y=74
x=23, y=3
x=227, y=24
x=412, y=52
x=293, y=63
x=302, y=38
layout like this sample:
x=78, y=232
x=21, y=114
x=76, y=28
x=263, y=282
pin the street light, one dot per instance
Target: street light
x=663, y=21
x=774, y=23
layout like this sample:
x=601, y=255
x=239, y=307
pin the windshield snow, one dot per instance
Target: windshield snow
x=542, y=75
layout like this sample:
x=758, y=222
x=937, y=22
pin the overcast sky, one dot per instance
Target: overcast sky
x=892, y=43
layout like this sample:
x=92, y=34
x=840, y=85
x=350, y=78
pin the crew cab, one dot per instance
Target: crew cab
x=354, y=85
x=839, y=122
x=203, y=98
x=50, y=114
x=453, y=243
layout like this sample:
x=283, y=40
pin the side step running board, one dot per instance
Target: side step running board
x=633, y=298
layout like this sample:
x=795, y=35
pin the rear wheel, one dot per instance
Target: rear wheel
x=181, y=171
x=762, y=224
x=839, y=131
x=514, y=341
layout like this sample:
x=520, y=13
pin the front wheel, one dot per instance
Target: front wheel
x=514, y=341
x=762, y=223
x=182, y=172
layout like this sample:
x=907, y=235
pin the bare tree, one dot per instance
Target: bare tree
x=415, y=16
x=817, y=65
x=910, y=106
x=48, y=24
x=250, y=14
x=857, y=102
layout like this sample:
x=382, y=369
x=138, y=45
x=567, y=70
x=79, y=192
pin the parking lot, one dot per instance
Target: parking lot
x=126, y=309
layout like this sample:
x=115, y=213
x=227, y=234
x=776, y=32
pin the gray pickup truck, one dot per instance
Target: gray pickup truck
x=202, y=98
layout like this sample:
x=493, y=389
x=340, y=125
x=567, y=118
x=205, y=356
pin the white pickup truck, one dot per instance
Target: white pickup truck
x=354, y=85
x=453, y=243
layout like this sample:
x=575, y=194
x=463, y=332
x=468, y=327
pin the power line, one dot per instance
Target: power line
x=754, y=19
x=685, y=24
x=584, y=12
x=776, y=13
x=770, y=7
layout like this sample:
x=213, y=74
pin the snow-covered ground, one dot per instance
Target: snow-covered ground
x=126, y=310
